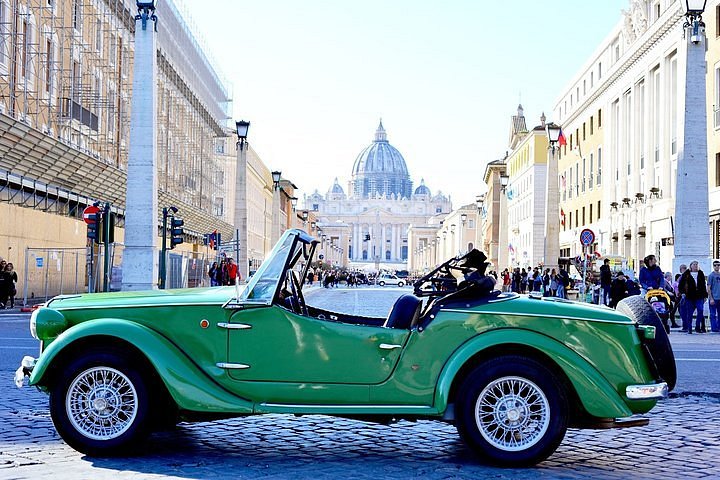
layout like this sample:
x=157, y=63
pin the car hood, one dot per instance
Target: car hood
x=194, y=296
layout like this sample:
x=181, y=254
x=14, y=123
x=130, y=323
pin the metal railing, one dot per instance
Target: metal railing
x=56, y=271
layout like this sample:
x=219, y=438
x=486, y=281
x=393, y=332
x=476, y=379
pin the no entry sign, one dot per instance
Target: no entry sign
x=91, y=210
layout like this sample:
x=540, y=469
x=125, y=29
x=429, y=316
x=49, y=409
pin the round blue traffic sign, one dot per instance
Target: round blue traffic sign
x=587, y=237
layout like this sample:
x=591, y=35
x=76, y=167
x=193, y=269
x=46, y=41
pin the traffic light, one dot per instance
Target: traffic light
x=176, y=232
x=110, y=219
x=94, y=232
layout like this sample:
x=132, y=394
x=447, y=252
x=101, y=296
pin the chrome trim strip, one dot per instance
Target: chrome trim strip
x=518, y=314
x=389, y=346
x=234, y=326
x=140, y=305
x=289, y=405
x=232, y=366
x=504, y=297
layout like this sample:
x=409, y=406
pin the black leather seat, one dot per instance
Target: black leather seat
x=404, y=313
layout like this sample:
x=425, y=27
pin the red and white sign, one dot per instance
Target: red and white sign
x=91, y=210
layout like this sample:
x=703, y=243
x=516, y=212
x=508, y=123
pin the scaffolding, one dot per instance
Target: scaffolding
x=66, y=71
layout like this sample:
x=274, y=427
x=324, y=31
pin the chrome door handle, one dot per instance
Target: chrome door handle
x=389, y=346
x=234, y=326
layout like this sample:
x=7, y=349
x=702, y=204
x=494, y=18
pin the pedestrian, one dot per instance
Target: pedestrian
x=605, y=281
x=506, y=280
x=553, y=283
x=713, y=289
x=651, y=275
x=618, y=289
x=537, y=280
x=523, y=281
x=516, y=280
x=546, y=283
x=563, y=282
x=212, y=273
x=670, y=290
x=310, y=277
x=693, y=288
x=232, y=272
x=12, y=288
x=4, y=284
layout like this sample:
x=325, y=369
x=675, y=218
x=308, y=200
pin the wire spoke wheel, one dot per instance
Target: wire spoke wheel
x=512, y=413
x=101, y=403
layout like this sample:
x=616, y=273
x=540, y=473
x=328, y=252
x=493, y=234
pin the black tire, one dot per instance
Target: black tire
x=543, y=390
x=637, y=308
x=400, y=284
x=382, y=284
x=98, y=399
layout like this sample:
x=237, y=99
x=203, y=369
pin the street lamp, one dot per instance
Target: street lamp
x=693, y=18
x=276, y=179
x=241, y=128
x=463, y=218
x=504, y=181
x=552, y=196
x=293, y=202
x=305, y=215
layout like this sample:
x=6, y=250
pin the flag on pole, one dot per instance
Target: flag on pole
x=213, y=239
x=561, y=139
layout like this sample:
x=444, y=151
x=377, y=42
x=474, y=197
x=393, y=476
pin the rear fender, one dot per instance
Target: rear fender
x=187, y=384
x=596, y=394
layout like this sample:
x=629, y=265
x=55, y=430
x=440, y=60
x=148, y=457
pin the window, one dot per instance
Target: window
x=584, y=87
x=76, y=81
x=673, y=104
x=583, y=216
x=316, y=207
x=717, y=21
x=599, y=70
x=590, y=179
x=583, y=176
x=98, y=35
x=112, y=50
x=112, y=102
x=592, y=79
x=584, y=137
x=76, y=20
x=592, y=124
x=48, y=65
x=600, y=118
x=717, y=169
x=591, y=219
x=570, y=222
x=25, y=29
x=598, y=210
x=577, y=219
x=599, y=166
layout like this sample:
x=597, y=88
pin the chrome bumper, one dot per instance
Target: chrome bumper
x=26, y=366
x=653, y=391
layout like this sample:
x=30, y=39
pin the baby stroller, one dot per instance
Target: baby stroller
x=660, y=301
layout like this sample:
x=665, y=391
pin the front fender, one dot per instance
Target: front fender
x=596, y=394
x=188, y=385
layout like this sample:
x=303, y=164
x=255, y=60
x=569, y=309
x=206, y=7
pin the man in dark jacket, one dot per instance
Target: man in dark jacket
x=618, y=289
x=693, y=291
x=605, y=281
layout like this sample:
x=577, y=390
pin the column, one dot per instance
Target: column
x=552, y=214
x=140, y=258
x=692, y=231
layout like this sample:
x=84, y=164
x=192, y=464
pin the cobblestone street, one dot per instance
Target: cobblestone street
x=681, y=441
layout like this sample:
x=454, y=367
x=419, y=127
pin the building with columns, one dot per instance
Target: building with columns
x=370, y=225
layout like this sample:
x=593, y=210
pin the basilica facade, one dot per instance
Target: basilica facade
x=369, y=224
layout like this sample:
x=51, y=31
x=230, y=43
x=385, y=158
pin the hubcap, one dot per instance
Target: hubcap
x=101, y=403
x=512, y=413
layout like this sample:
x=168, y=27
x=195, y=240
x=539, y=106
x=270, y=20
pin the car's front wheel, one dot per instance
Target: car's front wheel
x=382, y=284
x=100, y=404
x=512, y=411
x=400, y=284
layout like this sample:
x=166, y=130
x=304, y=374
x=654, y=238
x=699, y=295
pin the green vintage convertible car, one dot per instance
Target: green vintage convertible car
x=512, y=372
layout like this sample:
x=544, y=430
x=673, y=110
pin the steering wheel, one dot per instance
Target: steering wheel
x=298, y=304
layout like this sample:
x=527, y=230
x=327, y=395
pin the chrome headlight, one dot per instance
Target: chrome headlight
x=33, y=324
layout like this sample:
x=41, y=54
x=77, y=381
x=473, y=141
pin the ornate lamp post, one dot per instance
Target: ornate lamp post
x=551, y=251
x=241, y=210
x=692, y=235
x=276, y=228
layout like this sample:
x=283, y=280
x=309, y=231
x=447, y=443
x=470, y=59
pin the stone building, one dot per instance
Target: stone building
x=370, y=224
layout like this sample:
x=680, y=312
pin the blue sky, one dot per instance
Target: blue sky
x=314, y=77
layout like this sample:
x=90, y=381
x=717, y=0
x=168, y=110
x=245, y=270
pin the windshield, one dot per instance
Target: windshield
x=263, y=284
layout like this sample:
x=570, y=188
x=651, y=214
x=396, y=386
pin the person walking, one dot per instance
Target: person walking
x=212, y=273
x=563, y=282
x=713, y=289
x=671, y=291
x=605, y=281
x=4, y=284
x=546, y=283
x=12, y=286
x=232, y=272
x=553, y=283
x=693, y=289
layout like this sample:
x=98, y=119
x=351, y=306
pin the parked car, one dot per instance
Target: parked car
x=387, y=279
x=512, y=372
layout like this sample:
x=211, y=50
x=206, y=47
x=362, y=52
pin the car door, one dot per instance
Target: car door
x=272, y=344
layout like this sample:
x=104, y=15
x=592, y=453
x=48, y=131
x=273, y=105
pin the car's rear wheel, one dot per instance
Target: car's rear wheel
x=382, y=284
x=400, y=284
x=100, y=404
x=512, y=411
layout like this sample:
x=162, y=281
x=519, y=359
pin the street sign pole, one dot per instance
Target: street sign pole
x=106, y=243
x=587, y=238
